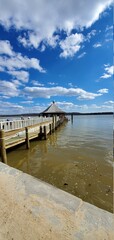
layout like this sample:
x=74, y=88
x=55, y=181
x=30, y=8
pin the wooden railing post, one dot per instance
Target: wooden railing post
x=53, y=127
x=50, y=128
x=27, y=138
x=55, y=118
x=53, y=124
x=45, y=133
x=2, y=147
x=40, y=134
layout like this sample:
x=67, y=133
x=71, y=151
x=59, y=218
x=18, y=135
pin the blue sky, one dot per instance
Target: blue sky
x=56, y=50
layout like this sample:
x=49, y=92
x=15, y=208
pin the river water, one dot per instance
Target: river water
x=77, y=158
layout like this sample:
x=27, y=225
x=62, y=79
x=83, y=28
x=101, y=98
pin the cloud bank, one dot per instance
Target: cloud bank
x=42, y=19
x=16, y=64
x=44, y=92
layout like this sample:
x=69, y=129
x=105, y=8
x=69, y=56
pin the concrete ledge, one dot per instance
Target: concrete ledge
x=32, y=210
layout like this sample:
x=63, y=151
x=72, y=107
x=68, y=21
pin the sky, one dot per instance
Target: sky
x=56, y=51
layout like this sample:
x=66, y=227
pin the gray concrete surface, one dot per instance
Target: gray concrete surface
x=34, y=210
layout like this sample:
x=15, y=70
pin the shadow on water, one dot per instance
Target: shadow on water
x=75, y=158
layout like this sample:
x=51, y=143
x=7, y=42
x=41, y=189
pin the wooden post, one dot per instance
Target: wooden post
x=40, y=134
x=53, y=127
x=2, y=147
x=53, y=123
x=45, y=134
x=27, y=138
x=50, y=129
x=55, y=118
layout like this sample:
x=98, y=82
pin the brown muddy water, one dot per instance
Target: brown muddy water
x=77, y=158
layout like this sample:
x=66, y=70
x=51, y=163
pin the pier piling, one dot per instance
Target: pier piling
x=53, y=123
x=40, y=134
x=27, y=138
x=45, y=134
x=2, y=147
x=50, y=128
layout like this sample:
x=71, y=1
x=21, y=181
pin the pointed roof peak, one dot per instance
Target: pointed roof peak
x=53, y=108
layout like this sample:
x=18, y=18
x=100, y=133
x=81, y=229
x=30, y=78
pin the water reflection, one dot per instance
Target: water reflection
x=53, y=139
x=72, y=119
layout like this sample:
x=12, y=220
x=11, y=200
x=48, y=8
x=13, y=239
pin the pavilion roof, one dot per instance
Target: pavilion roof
x=53, y=108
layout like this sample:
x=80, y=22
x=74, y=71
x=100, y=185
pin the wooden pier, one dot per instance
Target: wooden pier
x=13, y=137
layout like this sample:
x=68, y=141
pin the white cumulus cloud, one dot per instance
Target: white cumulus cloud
x=9, y=107
x=6, y=48
x=108, y=71
x=8, y=89
x=103, y=90
x=97, y=45
x=45, y=92
x=43, y=18
x=71, y=45
x=91, y=34
x=20, y=75
x=18, y=62
x=109, y=102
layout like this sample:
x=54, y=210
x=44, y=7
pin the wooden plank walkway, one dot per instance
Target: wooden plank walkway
x=11, y=138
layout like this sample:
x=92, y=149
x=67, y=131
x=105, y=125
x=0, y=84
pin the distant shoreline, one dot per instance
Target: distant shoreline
x=96, y=113
x=68, y=113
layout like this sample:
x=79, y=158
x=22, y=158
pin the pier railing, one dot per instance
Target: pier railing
x=17, y=124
